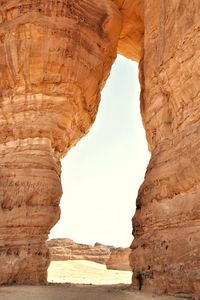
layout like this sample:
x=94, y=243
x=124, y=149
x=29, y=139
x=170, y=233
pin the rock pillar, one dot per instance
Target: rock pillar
x=30, y=191
x=166, y=226
x=55, y=58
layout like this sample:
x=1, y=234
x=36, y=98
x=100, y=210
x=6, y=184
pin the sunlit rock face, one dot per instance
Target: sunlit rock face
x=55, y=58
x=119, y=259
x=67, y=249
x=166, y=226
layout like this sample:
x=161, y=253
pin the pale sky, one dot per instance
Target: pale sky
x=101, y=175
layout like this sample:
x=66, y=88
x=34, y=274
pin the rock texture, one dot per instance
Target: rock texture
x=131, y=37
x=67, y=249
x=29, y=206
x=119, y=259
x=166, y=226
x=55, y=58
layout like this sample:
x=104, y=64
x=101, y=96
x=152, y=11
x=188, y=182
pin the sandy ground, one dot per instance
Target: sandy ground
x=84, y=272
x=87, y=272
x=74, y=292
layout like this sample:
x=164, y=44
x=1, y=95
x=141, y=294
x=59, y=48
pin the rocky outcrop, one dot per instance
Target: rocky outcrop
x=67, y=249
x=166, y=225
x=131, y=37
x=55, y=58
x=119, y=259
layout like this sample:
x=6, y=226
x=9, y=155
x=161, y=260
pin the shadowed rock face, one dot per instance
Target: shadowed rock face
x=55, y=58
x=131, y=37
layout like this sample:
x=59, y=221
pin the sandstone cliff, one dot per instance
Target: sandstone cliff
x=55, y=59
x=67, y=249
x=119, y=259
x=166, y=226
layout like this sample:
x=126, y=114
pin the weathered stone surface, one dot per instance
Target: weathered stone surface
x=166, y=226
x=131, y=37
x=119, y=259
x=29, y=193
x=55, y=58
x=67, y=249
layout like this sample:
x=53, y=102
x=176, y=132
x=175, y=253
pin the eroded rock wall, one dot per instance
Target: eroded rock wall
x=166, y=225
x=131, y=37
x=55, y=58
x=67, y=249
x=119, y=259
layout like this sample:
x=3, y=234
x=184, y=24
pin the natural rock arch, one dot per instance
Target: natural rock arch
x=55, y=58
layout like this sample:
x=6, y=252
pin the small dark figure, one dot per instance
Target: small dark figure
x=140, y=280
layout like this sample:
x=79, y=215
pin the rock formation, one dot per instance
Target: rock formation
x=166, y=226
x=67, y=249
x=55, y=58
x=131, y=36
x=119, y=259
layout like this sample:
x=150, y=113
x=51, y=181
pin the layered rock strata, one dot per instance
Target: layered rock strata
x=29, y=191
x=166, y=226
x=55, y=58
x=67, y=249
x=119, y=259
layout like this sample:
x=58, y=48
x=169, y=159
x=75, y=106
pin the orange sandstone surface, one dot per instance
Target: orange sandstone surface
x=55, y=59
x=112, y=257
